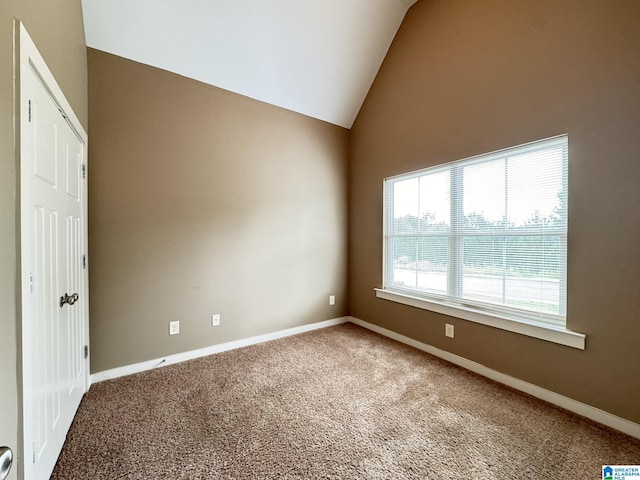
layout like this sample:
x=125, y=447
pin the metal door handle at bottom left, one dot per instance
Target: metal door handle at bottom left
x=6, y=459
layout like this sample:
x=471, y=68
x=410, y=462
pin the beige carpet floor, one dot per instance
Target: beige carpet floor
x=337, y=403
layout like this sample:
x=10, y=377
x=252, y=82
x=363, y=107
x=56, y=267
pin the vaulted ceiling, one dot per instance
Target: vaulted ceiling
x=315, y=57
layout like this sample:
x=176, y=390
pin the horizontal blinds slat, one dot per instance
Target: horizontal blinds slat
x=515, y=232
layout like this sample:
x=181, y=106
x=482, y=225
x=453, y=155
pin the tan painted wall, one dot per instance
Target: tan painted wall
x=57, y=30
x=465, y=77
x=202, y=201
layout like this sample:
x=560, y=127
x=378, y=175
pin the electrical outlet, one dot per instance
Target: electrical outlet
x=174, y=328
x=448, y=330
x=215, y=319
x=332, y=299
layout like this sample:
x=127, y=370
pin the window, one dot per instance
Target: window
x=486, y=235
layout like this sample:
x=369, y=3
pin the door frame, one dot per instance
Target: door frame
x=29, y=58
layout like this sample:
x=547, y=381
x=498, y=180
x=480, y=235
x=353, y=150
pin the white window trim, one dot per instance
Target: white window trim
x=550, y=333
x=495, y=316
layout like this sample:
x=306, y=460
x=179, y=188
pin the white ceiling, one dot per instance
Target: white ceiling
x=315, y=57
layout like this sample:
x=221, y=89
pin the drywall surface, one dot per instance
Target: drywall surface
x=58, y=32
x=464, y=78
x=315, y=58
x=202, y=201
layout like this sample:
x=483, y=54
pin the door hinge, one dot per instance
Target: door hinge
x=86, y=351
x=29, y=110
x=30, y=282
x=84, y=261
x=34, y=451
x=84, y=171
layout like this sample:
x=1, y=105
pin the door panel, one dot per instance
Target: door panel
x=75, y=319
x=54, y=241
x=48, y=357
x=74, y=167
x=45, y=166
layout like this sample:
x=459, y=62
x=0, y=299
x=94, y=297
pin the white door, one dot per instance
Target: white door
x=54, y=319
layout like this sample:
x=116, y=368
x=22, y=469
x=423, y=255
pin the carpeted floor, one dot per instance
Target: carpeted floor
x=337, y=403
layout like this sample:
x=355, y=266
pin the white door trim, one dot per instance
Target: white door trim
x=29, y=58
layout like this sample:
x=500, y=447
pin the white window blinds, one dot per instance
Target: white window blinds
x=488, y=232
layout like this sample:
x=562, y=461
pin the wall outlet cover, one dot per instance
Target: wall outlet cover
x=449, y=330
x=174, y=327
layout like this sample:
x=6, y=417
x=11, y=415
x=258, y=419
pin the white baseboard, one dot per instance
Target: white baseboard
x=595, y=414
x=203, y=352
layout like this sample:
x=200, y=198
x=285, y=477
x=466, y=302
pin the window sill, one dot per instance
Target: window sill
x=549, y=333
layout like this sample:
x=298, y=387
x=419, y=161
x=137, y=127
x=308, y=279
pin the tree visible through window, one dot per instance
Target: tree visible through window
x=488, y=232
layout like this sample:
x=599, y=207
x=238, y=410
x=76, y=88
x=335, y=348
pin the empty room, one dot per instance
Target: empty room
x=359, y=239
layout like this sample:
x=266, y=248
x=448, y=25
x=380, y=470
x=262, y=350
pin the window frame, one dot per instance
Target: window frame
x=551, y=327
